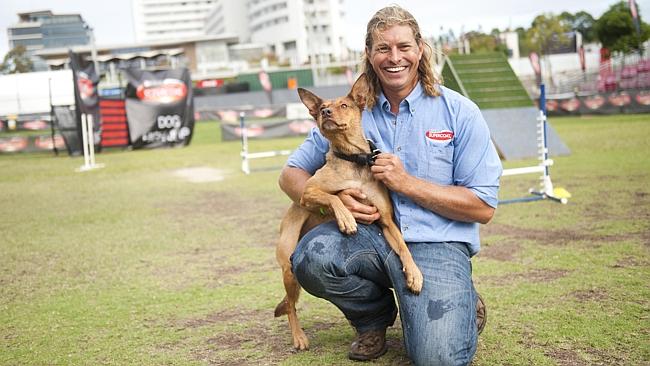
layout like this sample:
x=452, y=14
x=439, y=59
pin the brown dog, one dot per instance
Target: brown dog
x=339, y=120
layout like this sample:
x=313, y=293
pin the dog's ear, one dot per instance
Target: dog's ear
x=311, y=101
x=359, y=91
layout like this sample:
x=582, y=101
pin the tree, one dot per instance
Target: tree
x=484, y=43
x=581, y=22
x=615, y=29
x=16, y=61
x=546, y=30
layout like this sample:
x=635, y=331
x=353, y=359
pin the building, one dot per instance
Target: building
x=229, y=16
x=158, y=20
x=38, y=30
x=325, y=29
x=299, y=31
x=296, y=31
x=204, y=56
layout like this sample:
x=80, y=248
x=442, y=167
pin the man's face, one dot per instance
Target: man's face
x=395, y=56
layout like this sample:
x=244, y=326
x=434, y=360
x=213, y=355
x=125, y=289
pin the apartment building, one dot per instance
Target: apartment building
x=162, y=20
x=42, y=29
x=296, y=31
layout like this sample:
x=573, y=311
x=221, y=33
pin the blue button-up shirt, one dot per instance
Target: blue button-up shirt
x=443, y=140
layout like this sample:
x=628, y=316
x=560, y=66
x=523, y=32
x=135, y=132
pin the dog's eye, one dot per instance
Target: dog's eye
x=343, y=106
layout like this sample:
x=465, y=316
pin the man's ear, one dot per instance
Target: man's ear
x=311, y=101
x=359, y=91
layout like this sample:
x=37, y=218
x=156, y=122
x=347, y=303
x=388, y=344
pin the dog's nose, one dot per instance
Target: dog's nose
x=326, y=112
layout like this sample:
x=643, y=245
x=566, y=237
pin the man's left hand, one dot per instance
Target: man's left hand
x=388, y=169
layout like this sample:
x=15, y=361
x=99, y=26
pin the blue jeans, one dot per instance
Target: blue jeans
x=356, y=273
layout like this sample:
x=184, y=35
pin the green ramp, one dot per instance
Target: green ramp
x=489, y=81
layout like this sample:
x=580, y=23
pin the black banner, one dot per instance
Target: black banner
x=65, y=121
x=267, y=130
x=159, y=108
x=86, y=98
x=629, y=101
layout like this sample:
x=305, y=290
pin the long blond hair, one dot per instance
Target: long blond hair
x=382, y=20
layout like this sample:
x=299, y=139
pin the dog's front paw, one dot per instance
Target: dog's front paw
x=414, y=279
x=347, y=223
x=300, y=341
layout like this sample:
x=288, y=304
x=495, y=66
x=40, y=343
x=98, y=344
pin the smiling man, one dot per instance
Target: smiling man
x=443, y=173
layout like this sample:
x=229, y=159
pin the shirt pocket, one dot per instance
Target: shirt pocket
x=438, y=163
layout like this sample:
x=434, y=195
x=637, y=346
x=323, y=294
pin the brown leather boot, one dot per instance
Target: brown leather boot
x=368, y=345
x=481, y=313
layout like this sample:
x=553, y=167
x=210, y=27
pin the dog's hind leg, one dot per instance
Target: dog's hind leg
x=289, y=235
x=414, y=278
x=292, y=287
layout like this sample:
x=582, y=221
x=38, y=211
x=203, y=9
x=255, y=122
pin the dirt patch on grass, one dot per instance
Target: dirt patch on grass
x=506, y=252
x=558, y=237
x=592, y=357
x=533, y=276
x=201, y=174
x=213, y=267
x=594, y=294
x=566, y=357
x=629, y=262
x=232, y=316
x=257, y=216
x=244, y=337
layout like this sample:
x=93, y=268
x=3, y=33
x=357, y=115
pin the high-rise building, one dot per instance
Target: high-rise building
x=296, y=31
x=229, y=17
x=162, y=20
x=324, y=25
x=43, y=29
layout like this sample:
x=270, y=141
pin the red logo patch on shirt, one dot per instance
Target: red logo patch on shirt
x=440, y=136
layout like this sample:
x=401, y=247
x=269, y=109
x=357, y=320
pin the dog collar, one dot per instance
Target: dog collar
x=361, y=159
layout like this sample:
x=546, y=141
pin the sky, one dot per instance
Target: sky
x=113, y=22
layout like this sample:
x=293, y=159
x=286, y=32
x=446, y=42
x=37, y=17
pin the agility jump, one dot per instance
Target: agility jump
x=547, y=191
x=245, y=155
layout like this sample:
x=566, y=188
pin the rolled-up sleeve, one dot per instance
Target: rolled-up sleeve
x=477, y=165
x=310, y=155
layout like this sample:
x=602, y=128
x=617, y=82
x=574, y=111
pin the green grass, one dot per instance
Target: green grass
x=132, y=265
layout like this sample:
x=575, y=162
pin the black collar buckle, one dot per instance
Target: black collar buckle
x=361, y=159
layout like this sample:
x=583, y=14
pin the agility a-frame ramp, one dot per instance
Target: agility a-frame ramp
x=519, y=130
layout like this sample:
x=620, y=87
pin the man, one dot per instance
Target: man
x=443, y=173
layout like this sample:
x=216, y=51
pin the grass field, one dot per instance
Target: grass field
x=135, y=265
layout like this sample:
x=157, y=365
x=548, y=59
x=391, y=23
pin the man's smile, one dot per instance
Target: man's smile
x=395, y=69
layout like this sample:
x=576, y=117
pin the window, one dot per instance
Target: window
x=289, y=46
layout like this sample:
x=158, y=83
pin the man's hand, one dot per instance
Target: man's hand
x=362, y=213
x=388, y=169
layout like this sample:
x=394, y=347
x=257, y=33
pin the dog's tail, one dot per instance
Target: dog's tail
x=282, y=308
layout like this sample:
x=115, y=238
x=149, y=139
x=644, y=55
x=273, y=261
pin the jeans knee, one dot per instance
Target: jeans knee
x=441, y=351
x=312, y=264
x=442, y=359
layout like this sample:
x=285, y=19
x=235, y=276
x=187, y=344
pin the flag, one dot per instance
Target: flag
x=635, y=17
x=265, y=80
x=581, y=54
x=85, y=81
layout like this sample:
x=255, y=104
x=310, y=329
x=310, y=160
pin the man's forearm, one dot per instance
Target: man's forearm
x=454, y=202
x=292, y=182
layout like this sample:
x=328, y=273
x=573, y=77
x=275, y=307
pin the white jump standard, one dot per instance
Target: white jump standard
x=88, y=140
x=547, y=191
x=245, y=155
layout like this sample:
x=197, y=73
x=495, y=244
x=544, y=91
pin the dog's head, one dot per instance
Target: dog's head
x=340, y=115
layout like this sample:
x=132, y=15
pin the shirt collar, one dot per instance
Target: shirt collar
x=410, y=99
